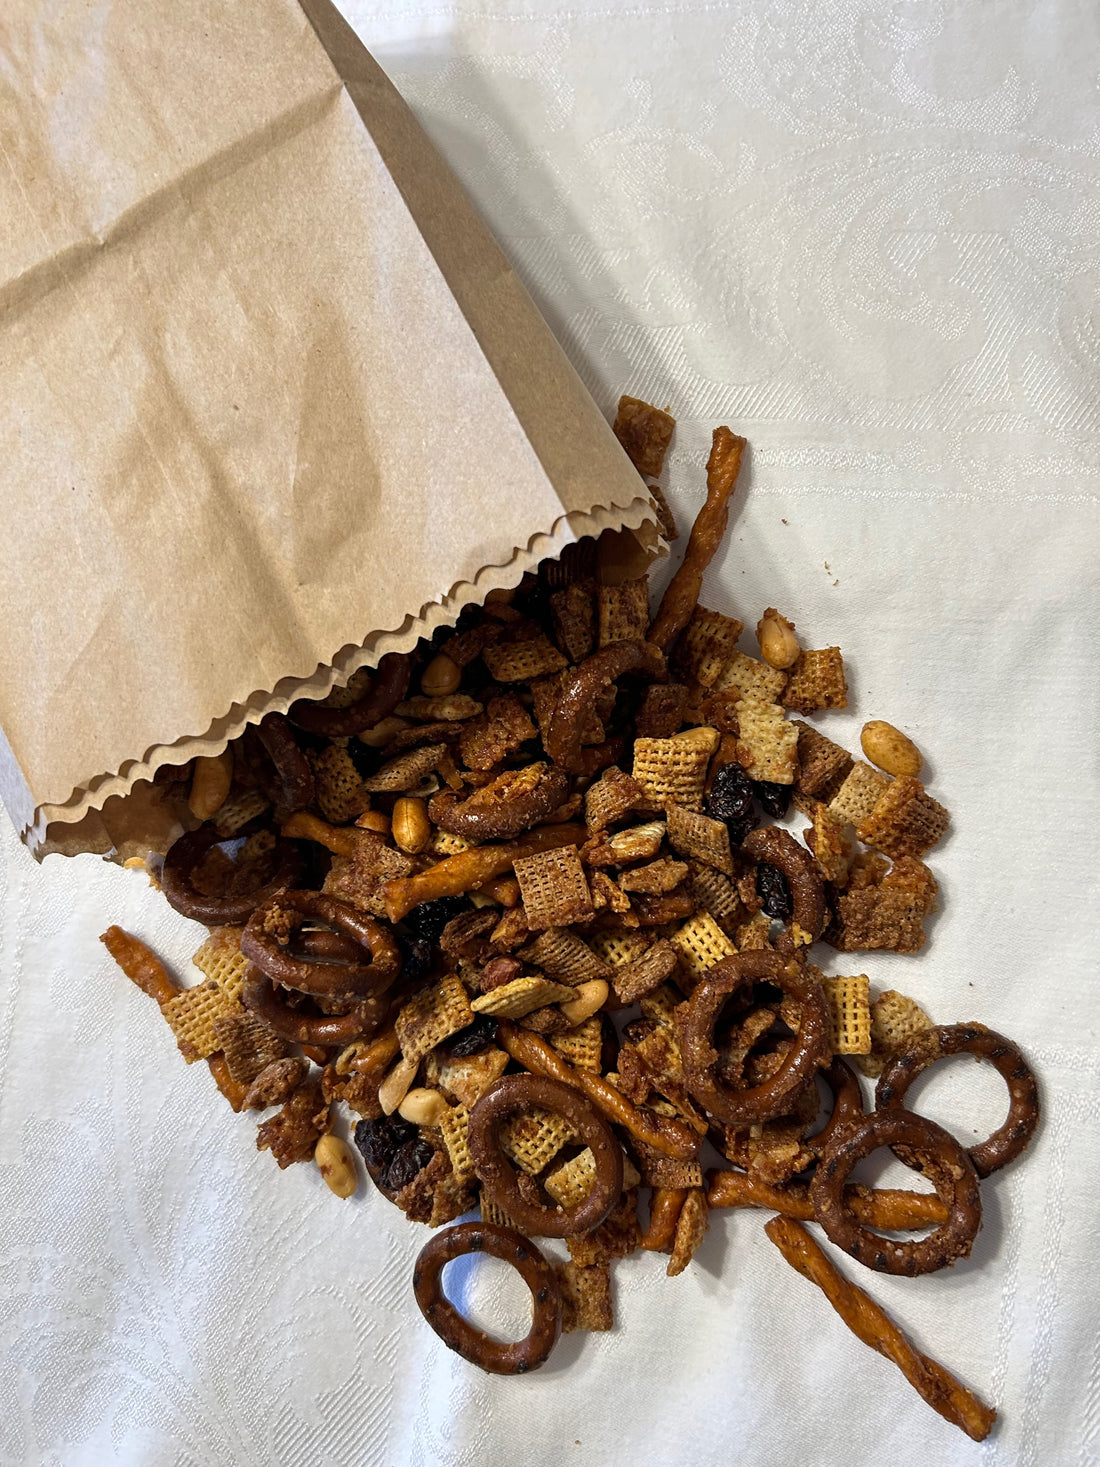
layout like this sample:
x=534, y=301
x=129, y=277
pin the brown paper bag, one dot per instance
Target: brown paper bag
x=274, y=401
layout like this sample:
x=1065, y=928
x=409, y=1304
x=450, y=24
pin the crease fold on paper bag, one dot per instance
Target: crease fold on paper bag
x=276, y=403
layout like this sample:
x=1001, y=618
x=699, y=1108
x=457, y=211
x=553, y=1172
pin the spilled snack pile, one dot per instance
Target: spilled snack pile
x=429, y=893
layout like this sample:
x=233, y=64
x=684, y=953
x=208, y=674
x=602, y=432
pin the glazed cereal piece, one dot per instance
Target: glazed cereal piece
x=520, y=997
x=521, y=662
x=701, y=943
x=248, y=1044
x=817, y=681
x=610, y=797
x=632, y=981
x=857, y=797
x=850, y=1005
x=895, y=1020
x=277, y=1082
x=831, y=847
x=716, y=894
x=293, y=1132
x=494, y=734
x=619, y=949
x=707, y=646
x=406, y=771
x=750, y=678
x=555, y=892
x=671, y=772
x=886, y=913
x=585, y=1297
x=691, y=1228
x=339, y=787
x=906, y=820
x=659, y=876
x=359, y=878
x=220, y=959
x=645, y=432
x=564, y=957
x=637, y=843
x=616, y=1237
x=533, y=1138
x=582, y=1046
x=547, y=692
x=192, y=1014
x=657, y=1170
x=662, y=711
x=433, y=1016
x=467, y=1077
x=822, y=765
x=607, y=893
x=465, y=646
x=699, y=837
x=573, y=610
x=768, y=744
x=624, y=611
x=570, y=1183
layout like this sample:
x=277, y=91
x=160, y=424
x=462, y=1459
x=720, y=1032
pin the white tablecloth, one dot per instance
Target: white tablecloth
x=865, y=235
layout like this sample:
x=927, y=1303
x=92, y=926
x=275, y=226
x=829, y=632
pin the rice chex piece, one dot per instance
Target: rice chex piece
x=895, y=1020
x=616, y=1237
x=817, y=681
x=585, y=1297
x=573, y=610
x=521, y=996
x=191, y=1016
x=850, y=1003
x=770, y=742
x=857, y=797
x=443, y=843
x=221, y=959
x=692, y=834
x=340, y=790
x=533, y=1138
x=359, y=879
x=656, y=878
x=671, y=772
x=691, y=1228
x=632, y=981
x=662, y=711
x=618, y=949
x=467, y=1077
x=406, y=771
x=820, y=762
x=645, y=432
x=238, y=811
x=610, y=797
x=432, y=1016
x=248, y=1044
x=715, y=892
x=553, y=887
x=906, y=820
x=661, y=1004
x=571, y=1183
x=564, y=956
x=701, y=943
x=707, y=645
x=751, y=678
x=500, y=730
x=624, y=612
x=519, y=662
x=581, y=1046
x=455, y=1126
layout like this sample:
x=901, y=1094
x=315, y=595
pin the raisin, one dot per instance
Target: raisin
x=774, y=891
x=730, y=799
x=774, y=798
x=416, y=957
x=474, y=1038
x=408, y=1162
x=379, y=1140
x=428, y=920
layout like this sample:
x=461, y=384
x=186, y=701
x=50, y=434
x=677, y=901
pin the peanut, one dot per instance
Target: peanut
x=591, y=996
x=422, y=1107
x=889, y=748
x=778, y=643
x=395, y=1086
x=210, y=784
x=699, y=738
x=383, y=731
x=374, y=820
x=440, y=677
x=336, y=1163
x=412, y=830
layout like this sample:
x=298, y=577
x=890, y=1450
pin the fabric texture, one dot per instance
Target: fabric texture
x=865, y=236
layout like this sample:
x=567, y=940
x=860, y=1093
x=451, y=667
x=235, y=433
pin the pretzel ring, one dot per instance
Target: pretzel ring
x=294, y=790
x=260, y=996
x=1010, y=1139
x=388, y=686
x=461, y=1336
x=951, y=1173
x=777, y=847
x=847, y=1105
x=179, y=888
x=321, y=979
x=520, y=1092
x=504, y=819
x=580, y=688
x=809, y=1049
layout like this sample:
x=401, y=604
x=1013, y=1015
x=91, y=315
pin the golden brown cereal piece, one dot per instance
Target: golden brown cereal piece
x=432, y=1016
x=220, y=958
x=520, y=662
x=248, y=1044
x=632, y=981
x=607, y=893
x=874, y=1327
x=455, y=1127
x=698, y=836
x=191, y=1015
x=463, y=647
x=671, y=772
x=564, y=957
x=768, y=743
x=831, y=847
x=624, y=611
x=707, y=645
x=884, y=910
x=533, y=1138
x=293, y=1132
x=238, y=811
x=441, y=707
x=659, y=876
x=585, y=1297
x=610, y=797
x=616, y=1237
x=276, y=1082
x=666, y=520
x=850, y=1003
x=817, y=681
x=657, y=1170
x=661, y=1004
x=751, y=679
x=691, y=1228
x=662, y=711
x=492, y=1212
x=573, y=611
x=359, y=878
x=637, y=843
x=499, y=731
x=521, y=996
x=443, y=843
x=555, y=892
x=406, y=771
x=511, y=932
x=820, y=762
x=701, y=943
x=906, y=820
x=716, y=894
x=582, y=1046
x=571, y=1182
x=617, y=949
x=547, y=694
x=895, y=1020
x=645, y=432
x=468, y=1077
x=857, y=797
x=339, y=787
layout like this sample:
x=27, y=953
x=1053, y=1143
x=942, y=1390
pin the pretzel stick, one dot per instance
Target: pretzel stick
x=472, y=868
x=340, y=840
x=874, y=1327
x=665, y=1207
x=663, y=1133
x=682, y=594
x=888, y=1208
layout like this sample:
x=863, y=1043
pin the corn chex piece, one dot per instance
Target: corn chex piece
x=671, y=772
x=895, y=1019
x=617, y=949
x=906, y=820
x=661, y=1004
x=407, y=770
x=455, y=1126
x=850, y=1002
x=817, y=681
x=467, y=1077
x=715, y=892
x=707, y=645
x=533, y=1139
x=553, y=887
x=432, y=1016
x=564, y=956
x=692, y=834
x=191, y=1016
x=572, y=1182
x=238, y=810
x=443, y=843
x=751, y=679
x=492, y=1212
x=701, y=943
x=610, y=797
x=519, y=662
x=521, y=996
x=820, y=761
x=221, y=959
x=581, y=1047
x=857, y=797
x=644, y=432
x=770, y=741
x=624, y=612
x=341, y=793
x=691, y=1229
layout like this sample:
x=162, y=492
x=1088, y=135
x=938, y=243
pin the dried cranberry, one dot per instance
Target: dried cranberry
x=774, y=891
x=428, y=920
x=730, y=799
x=416, y=957
x=774, y=798
x=409, y=1161
x=474, y=1038
x=379, y=1140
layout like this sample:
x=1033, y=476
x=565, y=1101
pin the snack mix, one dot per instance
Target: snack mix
x=517, y=902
